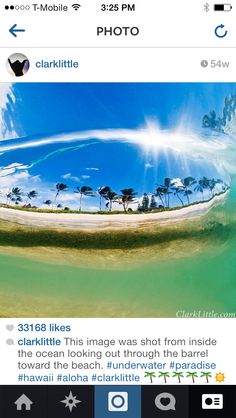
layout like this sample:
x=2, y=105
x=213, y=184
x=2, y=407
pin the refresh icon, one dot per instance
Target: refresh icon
x=220, y=31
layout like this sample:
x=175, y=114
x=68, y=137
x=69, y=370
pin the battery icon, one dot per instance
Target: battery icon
x=223, y=7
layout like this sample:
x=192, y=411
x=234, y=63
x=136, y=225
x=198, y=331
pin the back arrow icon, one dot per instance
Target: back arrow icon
x=219, y=33
x=14, y=31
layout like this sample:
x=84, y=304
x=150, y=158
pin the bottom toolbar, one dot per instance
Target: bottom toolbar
x=148, y=401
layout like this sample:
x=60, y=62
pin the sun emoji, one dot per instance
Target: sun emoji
x=220, y=377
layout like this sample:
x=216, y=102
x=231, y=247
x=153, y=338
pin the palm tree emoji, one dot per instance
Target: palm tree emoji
x=178, y=375
x=151, y=375
x=192, y=375
x=165, y=375
x=206, y=375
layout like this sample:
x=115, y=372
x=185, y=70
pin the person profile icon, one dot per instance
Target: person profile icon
x=17, y=65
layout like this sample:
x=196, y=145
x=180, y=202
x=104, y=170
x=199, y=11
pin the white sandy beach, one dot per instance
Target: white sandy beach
x=99, y=222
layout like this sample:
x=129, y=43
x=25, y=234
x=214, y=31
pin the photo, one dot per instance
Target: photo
x=117, y=199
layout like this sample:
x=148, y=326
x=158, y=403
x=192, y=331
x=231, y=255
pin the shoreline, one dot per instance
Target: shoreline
x=80, y=221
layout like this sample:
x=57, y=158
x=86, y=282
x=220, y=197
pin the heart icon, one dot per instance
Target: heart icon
x=10, y=327
x=165, y=401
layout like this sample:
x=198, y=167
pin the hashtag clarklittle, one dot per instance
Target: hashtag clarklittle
x=122, y=377
x=39, y=341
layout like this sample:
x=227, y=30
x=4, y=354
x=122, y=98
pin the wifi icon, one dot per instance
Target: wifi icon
x=76, y=6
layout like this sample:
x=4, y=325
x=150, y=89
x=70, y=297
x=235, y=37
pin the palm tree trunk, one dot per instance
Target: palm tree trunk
x=162, y=201
x=180, y=199
x=179, y=379
x=193, y=379
x=187, y=196
x=80, y=202
x=55, y=199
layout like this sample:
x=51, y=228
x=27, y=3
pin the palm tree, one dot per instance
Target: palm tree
x=188, y=182
x=192, y=375
x=200, y=188
x=145, y=202
x=8, y=196
x=47, y=202
x=15, y=195
x=31, y=195
x=153, y=203
x=178, y=375
x=16, y=192
x=17, y=200
x=60, y=187
x=212, y=185
x=166, y=187
x=127, y=197
x=177, y=191
x=102, y=191
x=206, y=375
x=165, y=375
x=111, y=197
x=205, y=183
x=83, y=191
x=160, y=191
x=151, y=375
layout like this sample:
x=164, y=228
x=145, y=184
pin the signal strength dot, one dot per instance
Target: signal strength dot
x=76, y=6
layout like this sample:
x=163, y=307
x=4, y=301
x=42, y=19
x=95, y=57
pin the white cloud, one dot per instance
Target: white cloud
x=12, y=169
x=177, y=182
x=148, y=165
x=92, y=168
x=69, y=176
x=85, y=177
x=68, y=197
x=23, y=180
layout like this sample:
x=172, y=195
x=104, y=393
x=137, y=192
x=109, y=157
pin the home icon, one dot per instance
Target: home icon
x=23, y=403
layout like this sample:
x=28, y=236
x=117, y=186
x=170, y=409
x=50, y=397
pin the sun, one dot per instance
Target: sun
x=220, y=377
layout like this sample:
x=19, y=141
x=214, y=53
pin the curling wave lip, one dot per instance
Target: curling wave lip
x=54, y=64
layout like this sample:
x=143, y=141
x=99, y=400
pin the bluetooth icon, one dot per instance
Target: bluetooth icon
x=206, y=7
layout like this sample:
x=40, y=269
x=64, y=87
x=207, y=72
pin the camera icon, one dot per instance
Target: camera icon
x=118, y=401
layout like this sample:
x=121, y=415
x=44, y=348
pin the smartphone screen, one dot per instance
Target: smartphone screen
x=117, y=209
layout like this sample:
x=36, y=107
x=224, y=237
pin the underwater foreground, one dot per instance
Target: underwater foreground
x=147, y=272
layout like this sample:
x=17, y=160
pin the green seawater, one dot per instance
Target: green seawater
x=200, y=279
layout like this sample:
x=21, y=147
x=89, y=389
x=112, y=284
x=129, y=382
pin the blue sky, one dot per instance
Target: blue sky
x=42, y=112
x=53, y=107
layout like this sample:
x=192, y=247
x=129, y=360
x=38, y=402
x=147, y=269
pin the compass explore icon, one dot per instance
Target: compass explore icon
x=71, y=401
